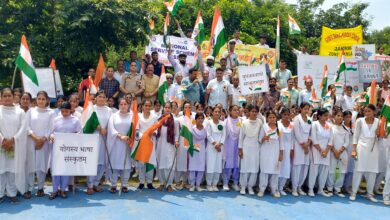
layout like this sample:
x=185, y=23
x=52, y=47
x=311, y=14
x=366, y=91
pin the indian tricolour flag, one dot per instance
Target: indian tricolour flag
x=166, y=26
x=186, y=133
x=324, y=81
x=89, y=119
x=173, y=6
x=25, y=63
x=341, y=67
x=218, y=38
x=277, y=57
x=386, y=109
x=293, y=26
x=198, y=33
x=162, y=88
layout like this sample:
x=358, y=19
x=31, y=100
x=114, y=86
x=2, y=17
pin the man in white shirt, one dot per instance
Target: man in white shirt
x=303, y=50
x=236, y=37
x=346, y=101
x=227, y=73
x=231, y=56
x=282, y=74
x=235, y=90
x=181, y=66
x=305, y=94
x=263, y=42
x=217, y=91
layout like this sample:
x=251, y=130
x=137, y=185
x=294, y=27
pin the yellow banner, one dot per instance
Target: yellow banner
x=247, y=54
x=333, y=41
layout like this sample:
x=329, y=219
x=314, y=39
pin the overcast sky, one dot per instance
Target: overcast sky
x=378, y=11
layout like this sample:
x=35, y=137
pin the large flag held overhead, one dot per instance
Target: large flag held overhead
x=162, y=92
x=166, y=26
x=145, y=148
x=89, y=119
x=198, y=33
x=99, y=71
x=293, y=26
x=186, y=133
x=277, y=43
x=134, y=123
x=173, y=6
x=324, y=81
x=25, y=64
x=218, y=38
x=341, y=67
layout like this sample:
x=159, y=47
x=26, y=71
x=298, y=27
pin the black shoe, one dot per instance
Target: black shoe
x=150, y=186
x=141, y=186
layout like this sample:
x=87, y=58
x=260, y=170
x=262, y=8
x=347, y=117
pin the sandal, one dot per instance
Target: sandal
x=14, y=200
x=27, y=195
x=53, y=195
x=125, y=189
x=169, y=188
x=97, y=189
x=113, y=190
x=40, y=193
x=90, y=191
x=63, y=195
x=160, y=188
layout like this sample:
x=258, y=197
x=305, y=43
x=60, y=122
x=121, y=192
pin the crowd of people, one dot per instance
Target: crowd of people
x=281, y=140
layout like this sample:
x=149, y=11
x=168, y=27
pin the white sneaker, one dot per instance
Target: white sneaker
x=295, y=193
x=324, y=194
x=352, y=197
x=242, y=191
x=276, y=194
x=283, y=193
x=155, y=178
x=210, y=188
x=371, y=198
x=179, y=186
x=311, y=193
x=226, y=188
x=236, y=187
x=386, y=200
x=301, y=192
x=199, y=189
x=192, y=188
x=215, y=189
x=250, y=191
x=260, y=194
x=339, y=194
x=135, y=175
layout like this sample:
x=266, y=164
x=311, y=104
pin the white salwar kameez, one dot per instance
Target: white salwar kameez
x=248, y=142
x=300, y=163
x=103, y=113
x=351, y=162
x=286, y=139
x=39, y=122
x=119, y=151
x=13, y=168
x=367, y=155
x=338, y=167
x=143, y=125
x=319, y=166
x=165, y=153
x=213, y=157
x=269, y=159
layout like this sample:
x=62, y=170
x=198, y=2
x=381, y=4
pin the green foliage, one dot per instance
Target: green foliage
x=75, y=32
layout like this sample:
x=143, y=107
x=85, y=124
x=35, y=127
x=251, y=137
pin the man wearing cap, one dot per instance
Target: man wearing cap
x=305, y=94
x=209, y=64
x=181, y=66
x=263, y=41
x=231, y=56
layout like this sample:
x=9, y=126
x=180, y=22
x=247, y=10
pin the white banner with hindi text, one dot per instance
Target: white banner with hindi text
x=253, y=79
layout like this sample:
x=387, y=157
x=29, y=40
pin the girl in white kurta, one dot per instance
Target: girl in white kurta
x=197, y=163
x=103, y=113
x=350, y=128
x=321, y=135
x=167, y=142
x=13, y=150
x=365, y=150
x=118, y=147
x=182, y=152
x=271, y=155
x=146, y=120
x=287, y=137
x=339, y=155
x=300, y=164
x=39, y=121
x=216, y=133
x=249, y=150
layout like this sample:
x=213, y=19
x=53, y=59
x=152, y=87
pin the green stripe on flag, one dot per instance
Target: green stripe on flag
x=26, y=69
x=200, y=37
x=149, y=167
x=186, y=133
x=91, y=124
x=219, y=43
x=161, y=91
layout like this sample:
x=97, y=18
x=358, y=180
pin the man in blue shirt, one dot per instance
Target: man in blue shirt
x=192, y=88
